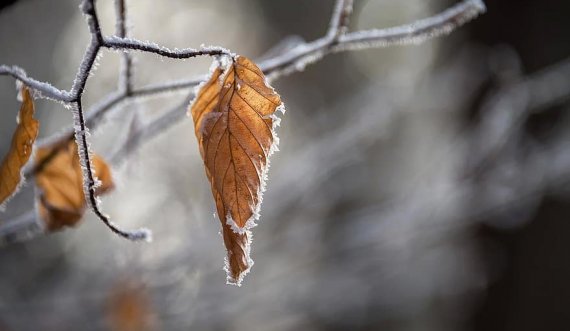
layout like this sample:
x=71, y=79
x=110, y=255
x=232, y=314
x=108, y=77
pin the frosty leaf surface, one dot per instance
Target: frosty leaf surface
x=234, y=117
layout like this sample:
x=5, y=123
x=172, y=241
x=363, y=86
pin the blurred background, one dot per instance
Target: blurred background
x=417, y=188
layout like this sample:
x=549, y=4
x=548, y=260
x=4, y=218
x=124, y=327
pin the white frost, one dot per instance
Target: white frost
x=247, y=251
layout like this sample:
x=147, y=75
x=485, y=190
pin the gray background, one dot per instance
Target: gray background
x=365, y=224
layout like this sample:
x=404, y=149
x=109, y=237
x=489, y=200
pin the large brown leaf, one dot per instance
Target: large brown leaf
x=234, y=120
x=60, y=180
x=21, y=148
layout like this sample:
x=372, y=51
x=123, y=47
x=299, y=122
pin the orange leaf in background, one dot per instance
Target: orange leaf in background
x=60, y=180
x=234, y=120
x=21, y=148
x=129, y=308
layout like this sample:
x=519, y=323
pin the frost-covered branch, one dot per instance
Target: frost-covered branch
x=98, y=41
x=299, y=57
x=46, y=89
x=338, y=39
x=126, y=71
x=414, y=33
x=144, y=46
x=147, y=132
x=340, y=19
x=295, y=59
x=90, y=183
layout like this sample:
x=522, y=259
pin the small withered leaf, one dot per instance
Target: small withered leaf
x=234, y=119
x=129, y=307
x=61, y=201
x=21, y=148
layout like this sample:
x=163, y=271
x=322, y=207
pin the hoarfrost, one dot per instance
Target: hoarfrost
x=247, y=252
x=414, y=33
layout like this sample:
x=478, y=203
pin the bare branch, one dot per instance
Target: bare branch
x=444, y=23
x=90, y=183
x=150, y=130
x=120, y=21
x=94, y=116
x=415, y=33
x=84, y=69
x=81, y=131
x=340, y=19
x=125, y=77
x=294, y=58
x=167, y=87
x=88, y=8
x=145, y=46
x=46, y=89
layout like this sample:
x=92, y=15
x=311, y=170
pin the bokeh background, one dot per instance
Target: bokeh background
x=417, y=188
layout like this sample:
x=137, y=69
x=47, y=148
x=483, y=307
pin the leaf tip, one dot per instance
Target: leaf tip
x=236, y=280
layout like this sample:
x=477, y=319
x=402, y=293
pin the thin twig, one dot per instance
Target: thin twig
x=296, y=59
x=81, y=132
x=444, y=23
x=340, y=19
x=145, y=46
x=125, y=77
x=45, y=89
x=90, y=184
x=149, y=131
x=415, y=33
x=173, y=86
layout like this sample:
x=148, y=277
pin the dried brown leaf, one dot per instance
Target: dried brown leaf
x=234, y=119
x=129, y=308
x=21, y=148
x=60, y=180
